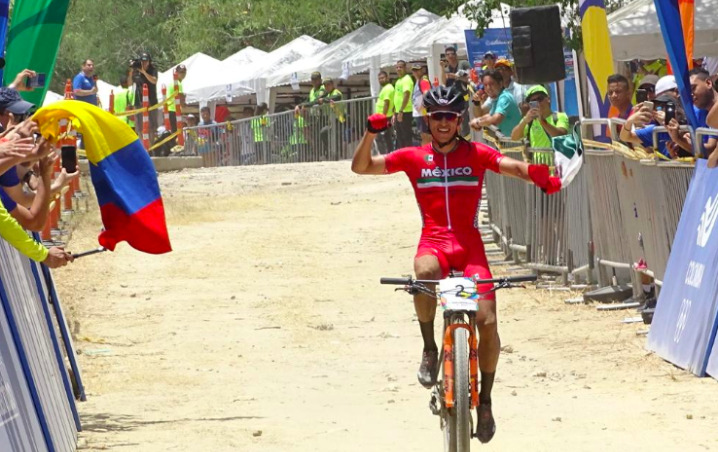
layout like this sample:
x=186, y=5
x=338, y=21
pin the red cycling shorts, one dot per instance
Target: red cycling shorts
x=463, y=253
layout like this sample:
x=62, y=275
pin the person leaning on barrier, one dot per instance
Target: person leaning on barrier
x=504, y=112
x=619, y=95
x=315, y=92
x=704, y=100
x=385, y=106
x=640, y=125
x=540, y=124
x=16, y=147
x=335, y=120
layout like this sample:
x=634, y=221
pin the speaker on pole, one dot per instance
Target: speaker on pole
x=537, y=44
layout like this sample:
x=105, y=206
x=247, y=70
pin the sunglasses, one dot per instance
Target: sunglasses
x=443, y=115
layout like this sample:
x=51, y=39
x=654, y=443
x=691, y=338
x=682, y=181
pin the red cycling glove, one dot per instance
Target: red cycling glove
x=377, y=123
x=540, y=176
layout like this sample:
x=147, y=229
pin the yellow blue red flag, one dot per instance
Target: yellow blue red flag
x=122, y=173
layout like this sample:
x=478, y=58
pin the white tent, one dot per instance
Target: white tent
x=253, y=78
x=329, y=59
x=636, y=33
x=103, y=93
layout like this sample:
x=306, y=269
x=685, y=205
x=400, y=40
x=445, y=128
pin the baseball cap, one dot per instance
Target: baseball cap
x=415, y=66
x=535, y=89
x=316, y=75
x=664, y=99
x=490, y=54
x=328, y=80
x=145, y=56
x=649, y=79
x=11, y=101
x=503, y=62
x=181, y=68
x=666, y=83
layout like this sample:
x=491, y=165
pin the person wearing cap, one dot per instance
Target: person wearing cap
x=451, y=65
x=504, y=113
x=84, y=86
x=540, y=124
x=403, y=88
x=181, y=71
x=640, y=125
x=146, y=74
x=385, y=106
x=648, y=84
x=506, y=68
x=421, y=86
x=260, y=125
x=315, y=92
x=489, y=61
x=336, y=119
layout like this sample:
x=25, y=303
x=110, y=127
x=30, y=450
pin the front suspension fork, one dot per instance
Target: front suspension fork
x=448, y=364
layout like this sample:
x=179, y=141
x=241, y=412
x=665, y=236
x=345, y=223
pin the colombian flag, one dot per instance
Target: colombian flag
x=122, y=172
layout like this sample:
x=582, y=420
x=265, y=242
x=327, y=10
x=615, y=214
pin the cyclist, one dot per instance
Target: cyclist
x=447, y=175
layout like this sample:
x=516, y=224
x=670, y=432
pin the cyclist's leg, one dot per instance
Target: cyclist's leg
x=489, y=343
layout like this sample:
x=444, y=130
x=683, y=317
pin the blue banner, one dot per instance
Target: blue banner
x=684, y=324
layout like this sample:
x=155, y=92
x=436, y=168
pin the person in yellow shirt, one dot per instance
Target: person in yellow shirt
x=181, y=71
x=403, y=107
x=385, y=106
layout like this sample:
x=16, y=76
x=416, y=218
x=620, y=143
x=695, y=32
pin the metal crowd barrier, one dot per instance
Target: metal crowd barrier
x=621, y=208
x=318, y=133
x=37, y=401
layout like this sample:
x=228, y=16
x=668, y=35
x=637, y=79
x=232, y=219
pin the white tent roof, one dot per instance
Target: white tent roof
x=636, y=33
x=329, y=59
x=245, y=56
x=103, y=93
x=394, y=44
x=252, y=78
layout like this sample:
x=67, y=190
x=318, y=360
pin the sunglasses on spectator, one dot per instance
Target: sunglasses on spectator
x=650, y=88
x=443, y=115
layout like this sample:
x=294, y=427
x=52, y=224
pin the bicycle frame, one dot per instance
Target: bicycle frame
x=448, y=358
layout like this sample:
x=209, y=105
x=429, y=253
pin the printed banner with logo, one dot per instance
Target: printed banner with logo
x=684, y=325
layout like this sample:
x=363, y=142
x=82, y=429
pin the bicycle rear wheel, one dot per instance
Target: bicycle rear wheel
x=457, y=427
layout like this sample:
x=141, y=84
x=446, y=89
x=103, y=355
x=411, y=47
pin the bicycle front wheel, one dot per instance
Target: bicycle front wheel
x=458, y=418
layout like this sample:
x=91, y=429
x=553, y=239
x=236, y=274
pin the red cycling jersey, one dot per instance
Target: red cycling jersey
x=448, y=191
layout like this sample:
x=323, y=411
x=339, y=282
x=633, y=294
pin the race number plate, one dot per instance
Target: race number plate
x=458, y=294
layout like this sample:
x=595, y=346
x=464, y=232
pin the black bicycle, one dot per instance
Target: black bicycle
x=456, y=393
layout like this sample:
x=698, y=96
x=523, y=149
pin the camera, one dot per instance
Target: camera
x=135, y=63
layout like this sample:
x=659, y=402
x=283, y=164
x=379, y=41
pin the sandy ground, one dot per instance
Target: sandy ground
x=266, y=330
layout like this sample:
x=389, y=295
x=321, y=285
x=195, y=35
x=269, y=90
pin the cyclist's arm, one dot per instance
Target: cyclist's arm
x=363, y=162
x=514, y=168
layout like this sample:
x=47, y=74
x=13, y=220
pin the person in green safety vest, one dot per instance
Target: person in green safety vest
x=298, y=139
x=331, y=134
x=123, y=98
x=260, y=133
x=403, y=108
x=540, y=124
x=385, y=106
x=181, y=71
x=318, y=90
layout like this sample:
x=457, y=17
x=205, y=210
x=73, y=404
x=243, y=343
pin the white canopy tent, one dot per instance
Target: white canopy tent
x=636, y=33
x=329, y=59
x=51, y=97
x=104, y=90
x=247, y=55
x=252, y=79
x=390, y=46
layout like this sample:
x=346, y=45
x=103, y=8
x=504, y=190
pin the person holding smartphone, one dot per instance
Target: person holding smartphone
x=539, y=125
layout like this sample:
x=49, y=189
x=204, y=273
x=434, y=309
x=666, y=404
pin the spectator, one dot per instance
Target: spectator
x=704, y=99
x=34, y=217
x=421, y=86
x=19, y=83
x=647, y=83
x=84, y=85
x=451, y=65
x=641, y=124
x=505, y=67
x=385, y=106
x=504, y=112
x=145, y=74
x=191, y=120
x=181, y=71
x=402, y=104
x=260, y=133
x=489, y=61
x=315, y=92
x=619, y=95
x=298, y=139
x=206, y=137
x=125, y=97
x=540, y=124
x=335, y=120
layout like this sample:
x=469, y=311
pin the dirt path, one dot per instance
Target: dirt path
x=266, y=330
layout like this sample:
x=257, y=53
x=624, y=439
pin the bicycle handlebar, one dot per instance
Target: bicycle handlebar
x=508, y=279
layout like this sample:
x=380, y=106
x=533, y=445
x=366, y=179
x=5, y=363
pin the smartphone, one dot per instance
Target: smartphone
x=534, y=104
x=648, y=104
x=69, y=158
x=670, y=112
x=641, y=95
x=35, y=82
x=442, y=57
